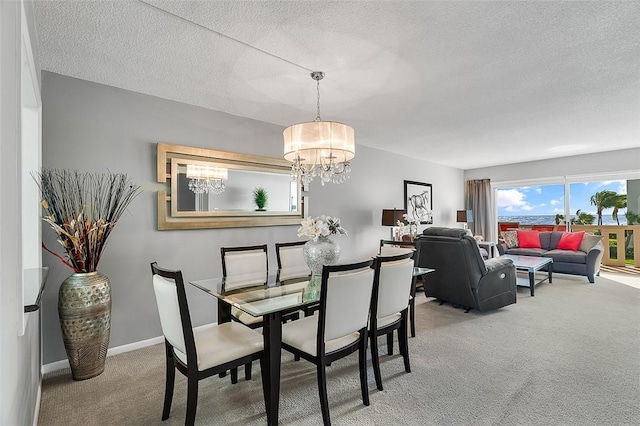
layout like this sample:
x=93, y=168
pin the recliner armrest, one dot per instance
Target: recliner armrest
x=497, y=263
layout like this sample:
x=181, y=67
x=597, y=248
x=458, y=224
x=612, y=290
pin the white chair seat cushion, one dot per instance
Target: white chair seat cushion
x=390, y=319
x=301, y=334
x=244, y=317
x=222, y=343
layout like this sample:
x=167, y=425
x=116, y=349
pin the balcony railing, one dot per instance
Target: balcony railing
x=623, y=236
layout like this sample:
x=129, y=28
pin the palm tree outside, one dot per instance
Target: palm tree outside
x=604, y=200
x=620, y=202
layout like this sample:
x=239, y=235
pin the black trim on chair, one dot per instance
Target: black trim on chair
x=322, y=360
x=291, y=244
x=224, y=250
x=417, y=283
x=190, y=370
x=400, y=324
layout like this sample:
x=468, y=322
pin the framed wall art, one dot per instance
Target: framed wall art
x=418, y=202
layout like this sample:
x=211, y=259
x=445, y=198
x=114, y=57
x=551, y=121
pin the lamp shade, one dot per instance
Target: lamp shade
x=464, y=216
x=318, y=142
x=390, y=217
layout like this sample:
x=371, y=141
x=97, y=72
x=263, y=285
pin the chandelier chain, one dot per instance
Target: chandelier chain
x=318, y=104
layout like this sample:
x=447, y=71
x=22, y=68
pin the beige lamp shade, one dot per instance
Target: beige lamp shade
x=319, y=142
x=195, y=171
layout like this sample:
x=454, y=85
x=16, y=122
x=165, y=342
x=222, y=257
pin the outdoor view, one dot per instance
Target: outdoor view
x=610, y=203
x=590, y=203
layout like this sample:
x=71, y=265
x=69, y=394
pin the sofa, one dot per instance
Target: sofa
x=462, y=277
x=576, y=253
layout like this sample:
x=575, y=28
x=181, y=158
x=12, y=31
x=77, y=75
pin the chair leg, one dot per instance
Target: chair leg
x=170, y=380
x=247, y=371
x=364, y=386
x=375, y=360
x=192, y=399
x=234, y=375
x=322, y=391
x=412, y=316
x=403, y=341
x=390, y=344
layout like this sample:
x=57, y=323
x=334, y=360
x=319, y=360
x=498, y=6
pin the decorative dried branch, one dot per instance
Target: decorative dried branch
x=83, y=208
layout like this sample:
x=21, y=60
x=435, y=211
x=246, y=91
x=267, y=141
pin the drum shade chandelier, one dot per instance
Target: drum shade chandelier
x=319, y=148
x=205, y=179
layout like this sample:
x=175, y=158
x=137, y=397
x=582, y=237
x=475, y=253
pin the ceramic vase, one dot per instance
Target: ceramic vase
x=84, y=308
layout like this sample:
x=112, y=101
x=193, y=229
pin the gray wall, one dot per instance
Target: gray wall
x=19, y=354
x=94, y=127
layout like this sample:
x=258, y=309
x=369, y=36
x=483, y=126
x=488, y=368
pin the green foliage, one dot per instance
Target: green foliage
x=604, y=200
x=559, y=218
x=582, y=218
x=260, y=197
x=632, y=218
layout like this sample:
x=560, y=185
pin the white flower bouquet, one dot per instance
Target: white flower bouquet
x=314, y=227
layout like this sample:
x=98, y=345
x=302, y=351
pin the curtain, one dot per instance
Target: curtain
x=478, y=199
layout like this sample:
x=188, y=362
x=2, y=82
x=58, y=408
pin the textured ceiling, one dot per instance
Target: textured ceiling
x=465, y=84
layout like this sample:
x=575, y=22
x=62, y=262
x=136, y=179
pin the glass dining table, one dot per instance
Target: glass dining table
x=270, y=296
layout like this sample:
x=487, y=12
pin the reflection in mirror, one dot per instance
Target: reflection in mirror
x=228, y=188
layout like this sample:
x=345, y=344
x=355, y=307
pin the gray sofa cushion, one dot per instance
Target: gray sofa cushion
x=589, y=241
x=567, y=256
x=526, y=251
x=555, y=239
x=545, y=239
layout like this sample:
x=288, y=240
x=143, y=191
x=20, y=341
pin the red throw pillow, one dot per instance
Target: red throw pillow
x=570, y=241
x=528, y=239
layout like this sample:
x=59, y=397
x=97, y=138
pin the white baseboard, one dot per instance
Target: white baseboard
x=62, y=364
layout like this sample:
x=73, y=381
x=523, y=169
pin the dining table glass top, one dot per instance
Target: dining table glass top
x=264, y=293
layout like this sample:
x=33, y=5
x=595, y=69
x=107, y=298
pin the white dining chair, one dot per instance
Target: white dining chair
x=390, y=248
x=392, y=285
x=339, y=329
x=197, y=354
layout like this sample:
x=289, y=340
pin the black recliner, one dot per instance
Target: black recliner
x=461, y=276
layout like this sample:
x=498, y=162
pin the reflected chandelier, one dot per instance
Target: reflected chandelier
x=205, y=179
x=319, y=148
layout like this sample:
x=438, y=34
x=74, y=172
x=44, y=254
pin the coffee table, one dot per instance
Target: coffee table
x=531, y=264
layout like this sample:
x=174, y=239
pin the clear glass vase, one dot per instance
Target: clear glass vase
x=318, y=253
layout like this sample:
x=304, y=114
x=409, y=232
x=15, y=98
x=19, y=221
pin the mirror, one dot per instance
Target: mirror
x=215, y=189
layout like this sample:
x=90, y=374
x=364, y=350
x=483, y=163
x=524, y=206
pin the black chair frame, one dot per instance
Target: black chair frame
x=400, y=324
x=322, y=360
x=417, y=284
x=190, y=370
x=288, y=317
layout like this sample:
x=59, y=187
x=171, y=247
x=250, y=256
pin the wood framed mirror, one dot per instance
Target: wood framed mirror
x=206, y=188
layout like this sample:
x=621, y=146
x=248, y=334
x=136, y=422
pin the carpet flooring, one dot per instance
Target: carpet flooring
x=568, y=356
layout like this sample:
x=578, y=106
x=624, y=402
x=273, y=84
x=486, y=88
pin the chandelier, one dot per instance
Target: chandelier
x=319, y=148
x=206, y=179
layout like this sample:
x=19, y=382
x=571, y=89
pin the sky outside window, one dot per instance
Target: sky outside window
x=548, y=200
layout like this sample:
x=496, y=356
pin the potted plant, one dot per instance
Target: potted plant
x=83, y=208
x=260, y=198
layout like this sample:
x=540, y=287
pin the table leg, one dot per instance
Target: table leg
x=224, y=315
x=550, y=269
x=532, y=281
x=272, y=332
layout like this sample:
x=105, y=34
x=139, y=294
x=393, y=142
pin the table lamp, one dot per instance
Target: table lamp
x=390, y=217
x=464, y=216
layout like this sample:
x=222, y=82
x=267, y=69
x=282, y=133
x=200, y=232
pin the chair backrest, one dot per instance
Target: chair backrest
x=345, y=300
x=244, y=265
x=175, y=319
x=457, y=262
x=291, y=261
x=392, y=285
